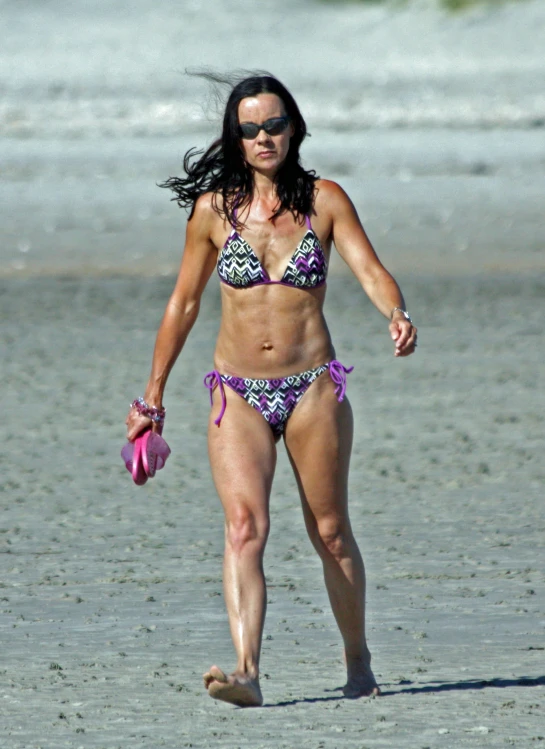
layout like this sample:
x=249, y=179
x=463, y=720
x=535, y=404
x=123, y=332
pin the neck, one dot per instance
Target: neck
x=264, y=186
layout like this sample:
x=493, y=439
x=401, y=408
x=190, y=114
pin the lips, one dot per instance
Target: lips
x=265, y=154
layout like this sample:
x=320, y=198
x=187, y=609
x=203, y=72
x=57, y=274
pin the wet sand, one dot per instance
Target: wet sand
x=111, y=596
x=112, y=603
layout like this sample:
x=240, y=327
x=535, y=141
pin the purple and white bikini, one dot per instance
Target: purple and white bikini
x=238, y=266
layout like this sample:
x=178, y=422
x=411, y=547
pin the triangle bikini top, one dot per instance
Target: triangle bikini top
x=238, y=265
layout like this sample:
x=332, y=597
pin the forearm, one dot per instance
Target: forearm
x=384, y=292
x=388, y=299
x=171, y=337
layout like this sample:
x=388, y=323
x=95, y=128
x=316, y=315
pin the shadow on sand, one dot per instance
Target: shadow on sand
x=432, y=686
x=454, y=686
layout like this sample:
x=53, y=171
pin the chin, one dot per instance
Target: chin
x=271, y=163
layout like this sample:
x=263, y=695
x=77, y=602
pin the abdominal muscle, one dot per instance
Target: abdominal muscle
x=272, y=331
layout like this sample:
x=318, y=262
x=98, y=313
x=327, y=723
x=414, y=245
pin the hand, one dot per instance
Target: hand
x=403, y=333
x=137, y=423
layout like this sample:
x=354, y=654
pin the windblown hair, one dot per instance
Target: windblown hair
x=222, y=170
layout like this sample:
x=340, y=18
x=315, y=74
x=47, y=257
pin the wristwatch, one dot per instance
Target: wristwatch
x=403, y=312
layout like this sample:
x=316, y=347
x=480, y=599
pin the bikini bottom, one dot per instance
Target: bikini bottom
x=275, y=399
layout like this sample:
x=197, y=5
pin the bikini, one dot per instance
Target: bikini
x=239, y=267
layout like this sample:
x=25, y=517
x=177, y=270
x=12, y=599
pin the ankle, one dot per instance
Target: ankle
x=359, y=654
x=248, y=671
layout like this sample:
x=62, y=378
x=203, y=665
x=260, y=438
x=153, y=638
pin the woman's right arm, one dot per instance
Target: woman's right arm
x=198, y=262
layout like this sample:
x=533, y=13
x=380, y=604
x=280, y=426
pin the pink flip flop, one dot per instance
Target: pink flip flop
x=154, y=451
x=132, y=455
x=146, y=455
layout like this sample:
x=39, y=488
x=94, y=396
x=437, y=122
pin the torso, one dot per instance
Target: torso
x=271, y=327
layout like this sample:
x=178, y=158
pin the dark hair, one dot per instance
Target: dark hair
x=223, y=171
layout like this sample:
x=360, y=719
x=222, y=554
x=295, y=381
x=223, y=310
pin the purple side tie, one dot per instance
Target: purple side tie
x=338, y=373
x=211, y=380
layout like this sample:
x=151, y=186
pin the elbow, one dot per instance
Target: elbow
x=184, y=309
x=191, y=309
x=379, y=276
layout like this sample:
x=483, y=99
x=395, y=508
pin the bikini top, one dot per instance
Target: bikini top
x=238, y=265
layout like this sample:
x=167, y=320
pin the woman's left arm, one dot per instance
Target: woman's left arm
x=356, y=250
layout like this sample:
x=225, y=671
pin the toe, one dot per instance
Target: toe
x=212, y=675
x=218, y=675
x=208, y=679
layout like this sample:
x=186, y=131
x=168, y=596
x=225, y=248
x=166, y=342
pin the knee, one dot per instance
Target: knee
x=332, y=539
x=245, y=530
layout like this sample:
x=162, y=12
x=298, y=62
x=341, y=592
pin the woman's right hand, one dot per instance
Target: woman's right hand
x=137, y=423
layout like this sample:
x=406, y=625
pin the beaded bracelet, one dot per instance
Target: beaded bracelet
x=155, y=414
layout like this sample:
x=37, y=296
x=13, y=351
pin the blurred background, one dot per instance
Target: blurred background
x=433, y=119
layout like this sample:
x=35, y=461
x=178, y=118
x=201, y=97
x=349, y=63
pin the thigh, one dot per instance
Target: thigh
x=318, y=438
x=242, y=455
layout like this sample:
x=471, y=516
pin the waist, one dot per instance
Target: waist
x=260, y=362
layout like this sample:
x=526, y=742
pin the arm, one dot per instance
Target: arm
x=198, y=262
x=356, y=250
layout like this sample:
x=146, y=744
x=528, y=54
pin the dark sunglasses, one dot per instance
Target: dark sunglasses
x=274, y=126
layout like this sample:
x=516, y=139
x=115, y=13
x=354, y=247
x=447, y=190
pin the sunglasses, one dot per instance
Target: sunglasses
x=274, y=126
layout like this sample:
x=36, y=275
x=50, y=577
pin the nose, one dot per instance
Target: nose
x=263, y=137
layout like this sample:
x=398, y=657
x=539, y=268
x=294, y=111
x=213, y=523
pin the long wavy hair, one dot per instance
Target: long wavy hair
x=222, y=170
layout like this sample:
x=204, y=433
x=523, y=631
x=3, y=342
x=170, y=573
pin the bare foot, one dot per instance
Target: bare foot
x=361, y=681
x=236, y=689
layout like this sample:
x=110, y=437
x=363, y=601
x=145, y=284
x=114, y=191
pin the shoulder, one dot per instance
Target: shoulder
x=203, y=220
x=205, y=215
x=204, y=208
x=330, y=197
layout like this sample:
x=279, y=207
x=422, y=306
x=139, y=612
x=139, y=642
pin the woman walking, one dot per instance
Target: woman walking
x=267, y=226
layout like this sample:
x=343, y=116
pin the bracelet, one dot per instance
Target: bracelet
x=155, y=414
x=403, y=312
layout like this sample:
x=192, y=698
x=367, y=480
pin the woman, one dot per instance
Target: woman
x=267, y=226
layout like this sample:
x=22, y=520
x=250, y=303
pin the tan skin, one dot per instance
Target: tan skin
x=284, y=332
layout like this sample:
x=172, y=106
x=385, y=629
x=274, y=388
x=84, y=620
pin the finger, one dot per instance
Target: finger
x=409, y=334
x=407, y=350
x=404, y=336
x=396, y=330
x=406, y=347
x=410, y=340
x=136, y=425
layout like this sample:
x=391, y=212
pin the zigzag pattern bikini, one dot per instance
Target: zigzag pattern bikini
x=275, y=399
x=239, y=266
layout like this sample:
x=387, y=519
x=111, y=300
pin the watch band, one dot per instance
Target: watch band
x=403, y=312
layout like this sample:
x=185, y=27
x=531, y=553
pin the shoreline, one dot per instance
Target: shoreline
x=442, y=201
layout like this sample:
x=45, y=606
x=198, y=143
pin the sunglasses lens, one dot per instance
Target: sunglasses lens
x=276, y=125
x=248, y=130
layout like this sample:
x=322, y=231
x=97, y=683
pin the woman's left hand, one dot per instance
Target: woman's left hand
x=403, y=333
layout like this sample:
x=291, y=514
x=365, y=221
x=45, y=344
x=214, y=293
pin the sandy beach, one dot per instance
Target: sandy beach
x=111, y=600
x=111, y=594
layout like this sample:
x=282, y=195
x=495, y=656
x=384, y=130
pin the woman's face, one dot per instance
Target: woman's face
x=265, y=153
